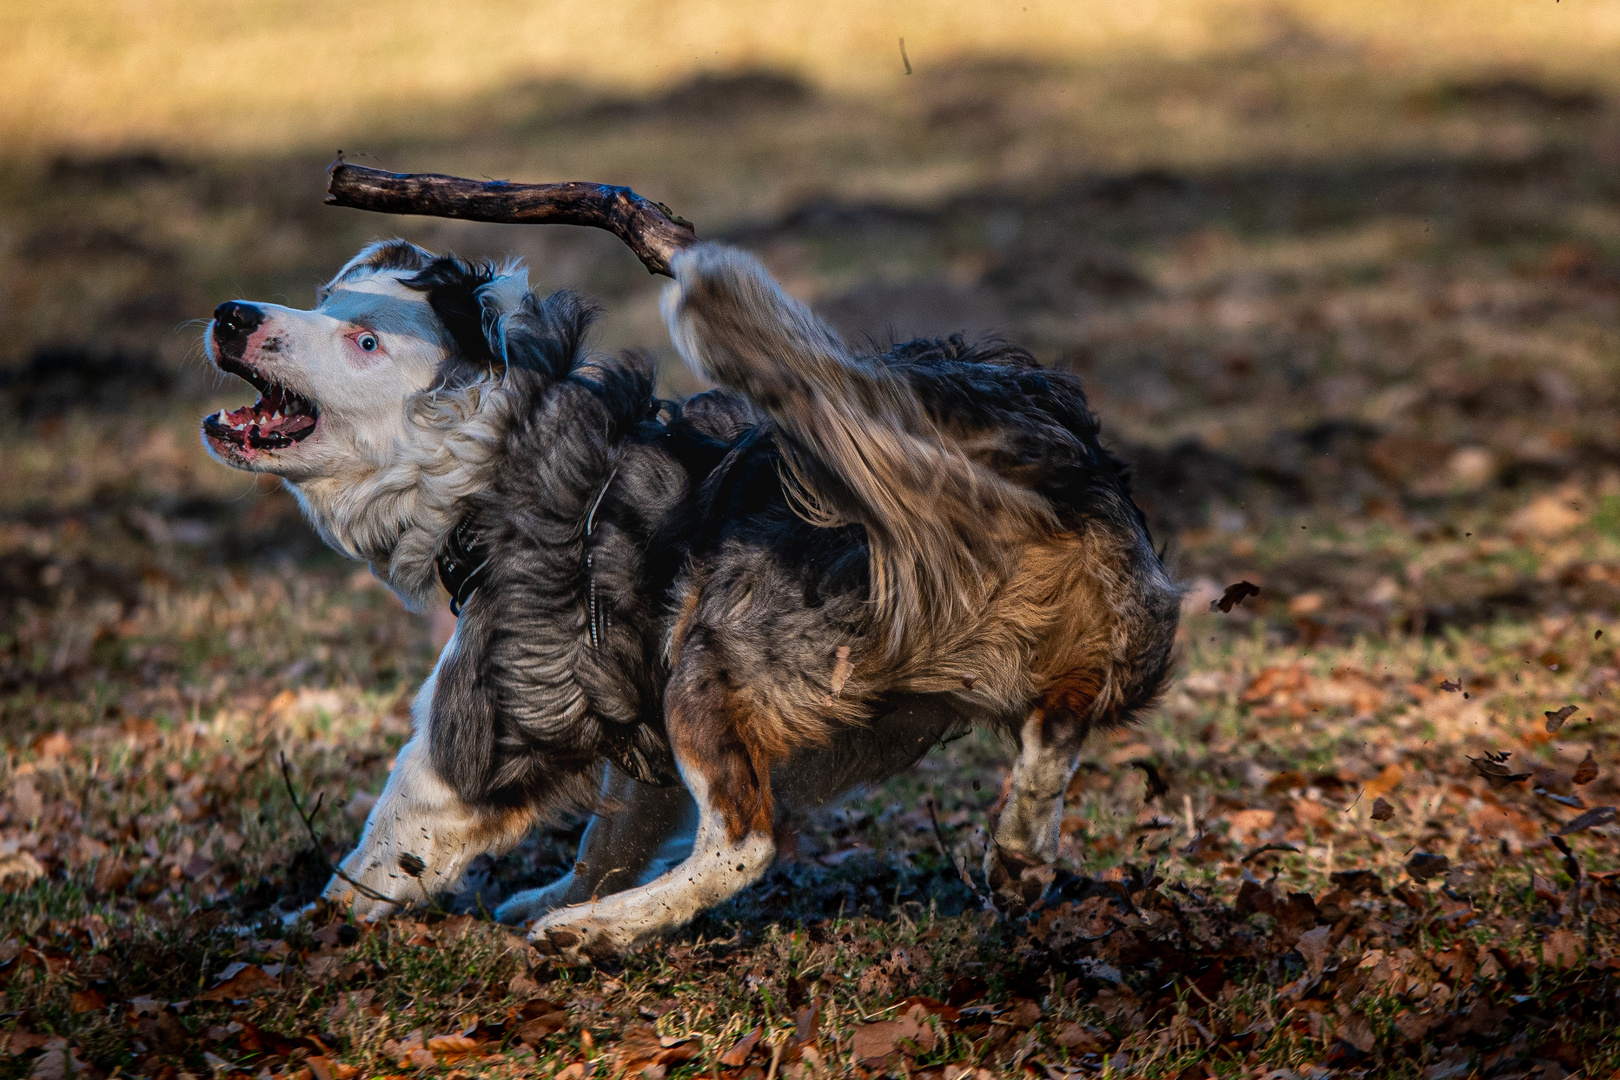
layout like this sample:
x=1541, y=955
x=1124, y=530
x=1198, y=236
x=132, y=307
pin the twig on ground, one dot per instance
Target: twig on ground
x=315, y=839
x=944, y=849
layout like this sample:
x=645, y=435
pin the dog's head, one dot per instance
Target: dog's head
x=334, y=381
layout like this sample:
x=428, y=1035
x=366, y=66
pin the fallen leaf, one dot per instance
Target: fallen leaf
x=907, y=1035
x=19, y=870
x=740, y=1050
x=1563, y=947
x=1079, y=1039
x=58, y=1063
x=1555, y=720
x=1493, y=767
x=1587, y=770
x=1382, y=810
x=1313, y=946
x=240, y=981
x=1358, y=881
x=1544, y=889
x=451, y=1047
x=87, y=1000
x=1598, y=815
x=1424, y=865
x=1234, y=595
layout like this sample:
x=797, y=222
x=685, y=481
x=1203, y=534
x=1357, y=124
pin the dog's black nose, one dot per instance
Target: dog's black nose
x=234, y=321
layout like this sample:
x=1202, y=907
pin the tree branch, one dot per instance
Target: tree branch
x=653, y=231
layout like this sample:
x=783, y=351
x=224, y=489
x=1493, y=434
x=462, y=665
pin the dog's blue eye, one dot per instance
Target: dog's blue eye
x=368, y=342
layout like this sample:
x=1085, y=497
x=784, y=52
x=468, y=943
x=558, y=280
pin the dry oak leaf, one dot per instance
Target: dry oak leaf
x=911, y=1034
x=1563, y=948
x=740, y=1050
x=1313, y=945
x=87, y=1000
x=240, y=981
x=1598, y=815
x=1079, y=1039
x=1234, y=595
x=1555, y=720
x=1587, y=770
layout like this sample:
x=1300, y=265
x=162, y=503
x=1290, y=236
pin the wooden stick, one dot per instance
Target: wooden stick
x=653, y=231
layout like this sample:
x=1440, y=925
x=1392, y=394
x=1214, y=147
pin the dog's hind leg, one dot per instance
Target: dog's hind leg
x=639, y=834
x=729, y=780
x=1018, y=863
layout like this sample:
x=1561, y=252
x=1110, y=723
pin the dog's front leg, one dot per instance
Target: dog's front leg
x=730, y=783
x=1018, y=863
x=420, y=836
x=639, y=834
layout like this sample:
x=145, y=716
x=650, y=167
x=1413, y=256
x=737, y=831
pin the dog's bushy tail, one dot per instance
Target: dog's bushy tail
x=859, y=445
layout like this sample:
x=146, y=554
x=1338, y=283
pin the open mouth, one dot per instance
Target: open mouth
x=278, y=419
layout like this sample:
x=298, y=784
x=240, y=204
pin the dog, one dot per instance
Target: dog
x=685, y=616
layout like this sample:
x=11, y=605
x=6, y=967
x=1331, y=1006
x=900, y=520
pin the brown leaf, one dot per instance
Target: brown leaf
x=740, y=1050
x=1079, y=1040
x=1314, y=947
x=1382, y=809
x=87, y=1000
x=1598, y=815
x=539, y=1018
x=1450, y=686
x=239, y=982
x=1234, y=595
x=1423, y=865
x=1587, y=770
x=1545, y=890
x=113, y=875
x=907, y=1035
x=1493, y=767
x=1024, y=1013
x=452, y=1047
x=1563, y=947
x=1555, y=720
x=1359, y=881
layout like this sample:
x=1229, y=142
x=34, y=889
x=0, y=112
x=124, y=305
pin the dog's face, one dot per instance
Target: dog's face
x=332, y=381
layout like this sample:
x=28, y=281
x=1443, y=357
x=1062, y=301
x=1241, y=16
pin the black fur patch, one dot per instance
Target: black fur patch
x=452, y=289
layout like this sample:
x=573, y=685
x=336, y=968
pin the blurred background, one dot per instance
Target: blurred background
x=1342, y=279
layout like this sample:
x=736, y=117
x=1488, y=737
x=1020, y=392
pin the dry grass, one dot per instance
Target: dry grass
x=246, y=77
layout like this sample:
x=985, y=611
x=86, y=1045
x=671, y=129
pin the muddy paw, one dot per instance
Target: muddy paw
x=1016, y=881
x=577, y=942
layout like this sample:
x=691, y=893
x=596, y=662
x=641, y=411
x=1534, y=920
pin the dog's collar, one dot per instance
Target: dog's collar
x=463, y=563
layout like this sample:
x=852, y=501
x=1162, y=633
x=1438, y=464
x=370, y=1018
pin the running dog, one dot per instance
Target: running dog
x=684, y=616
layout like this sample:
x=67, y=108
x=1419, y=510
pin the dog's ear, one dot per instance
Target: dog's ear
x=376, y=257
x=546, y=335
x=452, y=288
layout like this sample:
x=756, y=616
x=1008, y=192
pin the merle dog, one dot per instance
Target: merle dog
x=684, y=616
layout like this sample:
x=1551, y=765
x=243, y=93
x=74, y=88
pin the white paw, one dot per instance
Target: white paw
x=343, y=895
x=530, y=904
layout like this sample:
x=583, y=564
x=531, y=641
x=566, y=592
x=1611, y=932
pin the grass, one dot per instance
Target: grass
x=1344, y=289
